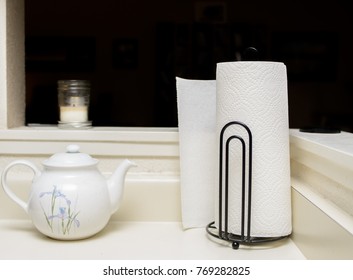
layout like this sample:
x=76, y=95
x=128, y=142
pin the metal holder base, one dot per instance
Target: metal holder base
x=223, y=233
x=237, y=240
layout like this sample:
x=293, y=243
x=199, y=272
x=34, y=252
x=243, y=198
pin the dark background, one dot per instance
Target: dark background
x=132, y=50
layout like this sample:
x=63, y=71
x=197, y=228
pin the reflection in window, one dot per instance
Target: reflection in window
x=132, y=54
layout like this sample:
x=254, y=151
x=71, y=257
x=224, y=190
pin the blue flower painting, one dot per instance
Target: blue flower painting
x=60, y=211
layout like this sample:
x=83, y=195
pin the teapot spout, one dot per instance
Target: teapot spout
x=116, y=184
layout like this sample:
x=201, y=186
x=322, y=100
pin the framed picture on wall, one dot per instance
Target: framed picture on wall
x=57, y=54
x=125, y=53
x=210, y=12
x=309, y=56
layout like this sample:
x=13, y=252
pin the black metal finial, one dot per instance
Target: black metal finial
x=250, y=54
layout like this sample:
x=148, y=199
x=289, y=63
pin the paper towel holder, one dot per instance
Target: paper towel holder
x=223, y=232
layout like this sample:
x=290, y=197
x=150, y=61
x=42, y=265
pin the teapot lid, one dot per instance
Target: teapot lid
x=72, y=158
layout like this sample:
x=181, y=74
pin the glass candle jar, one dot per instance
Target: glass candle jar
x=74, y=97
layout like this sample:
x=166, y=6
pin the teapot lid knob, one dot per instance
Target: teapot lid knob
x=72, y=158
x=73, y=149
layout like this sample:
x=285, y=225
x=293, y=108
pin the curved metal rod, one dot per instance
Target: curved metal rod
x=226, y=187
x=221, y=175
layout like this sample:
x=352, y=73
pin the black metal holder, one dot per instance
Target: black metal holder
x=223, y=233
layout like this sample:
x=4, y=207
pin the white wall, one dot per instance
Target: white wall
x=12, y=72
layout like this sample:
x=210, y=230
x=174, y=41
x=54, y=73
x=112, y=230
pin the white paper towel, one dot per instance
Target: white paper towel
x=255, y=93
x=197, y=123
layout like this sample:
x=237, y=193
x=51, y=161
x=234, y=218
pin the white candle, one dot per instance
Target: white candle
x=73, y=114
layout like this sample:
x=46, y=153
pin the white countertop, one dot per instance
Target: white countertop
x=134, y=240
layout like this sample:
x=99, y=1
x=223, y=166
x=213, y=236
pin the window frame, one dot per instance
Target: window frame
x=15, y=138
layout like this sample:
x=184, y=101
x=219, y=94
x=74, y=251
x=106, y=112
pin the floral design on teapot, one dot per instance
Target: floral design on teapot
x=59, y=211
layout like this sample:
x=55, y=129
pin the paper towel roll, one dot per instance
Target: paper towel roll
x=255, y=93
x=197, y=142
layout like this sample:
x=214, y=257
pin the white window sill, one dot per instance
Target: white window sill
x=98, y=141
x=322, y=161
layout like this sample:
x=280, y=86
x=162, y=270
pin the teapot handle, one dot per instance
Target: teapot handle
x=6, y=187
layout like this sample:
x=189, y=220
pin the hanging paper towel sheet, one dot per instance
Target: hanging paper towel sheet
x=255, y=93
x=197, y=123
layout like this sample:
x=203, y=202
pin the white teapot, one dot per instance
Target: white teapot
x=70, y=199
